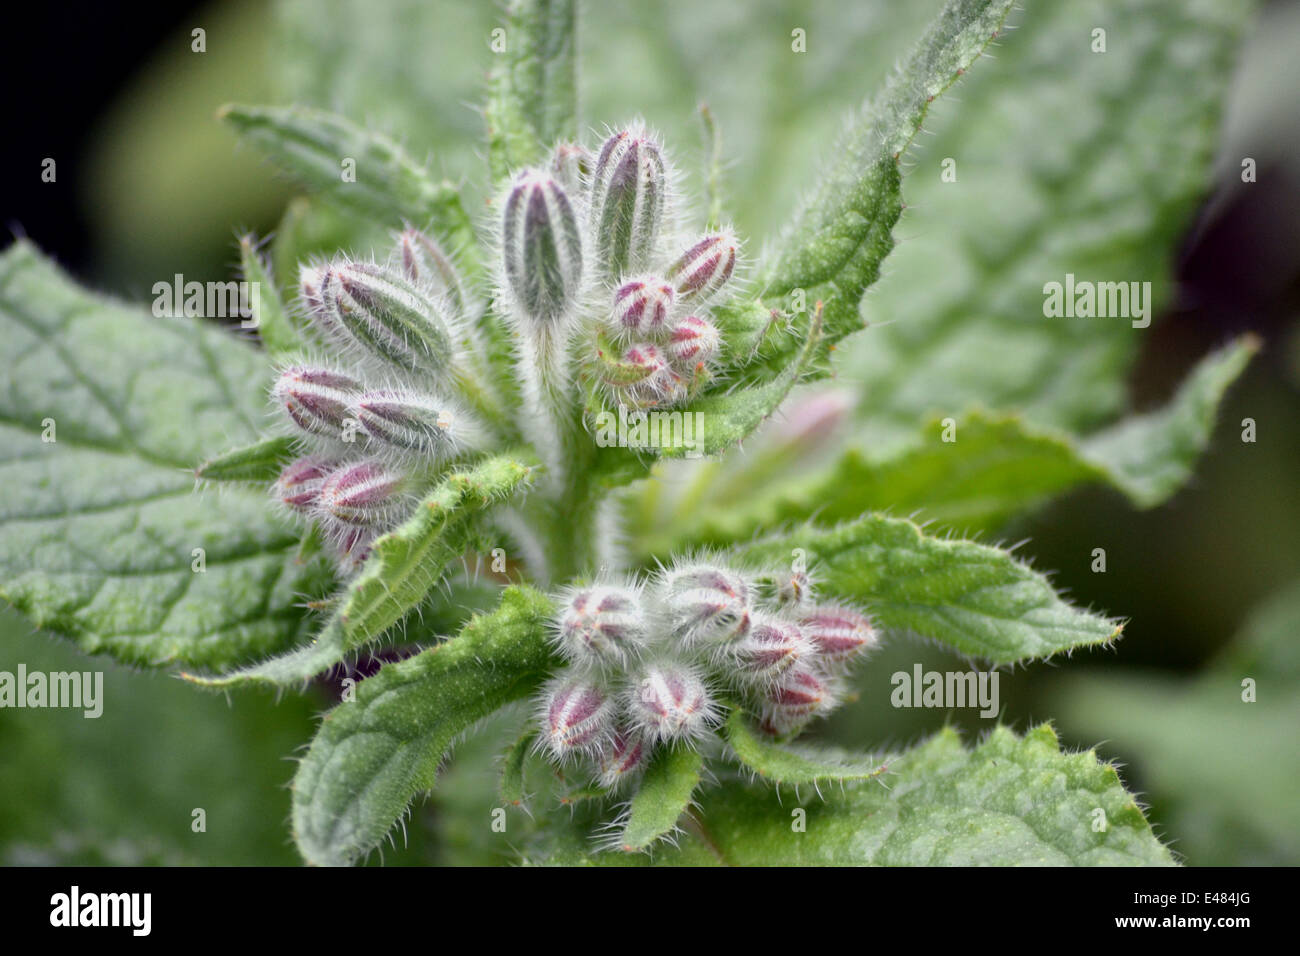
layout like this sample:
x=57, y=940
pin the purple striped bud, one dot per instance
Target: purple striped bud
x=705, y=605
x=694, y=342
x=628, y=187
x=316, y=399
x=570, y=164
x=312, y=281
x=388, y=317
x=621, y=758
x=424, y=262
x=366, y=494
x=413, y=421
x=577, y=717
x=669, y=701
x=799, y=695
x=541, y=248
x=602, y=625
x=705, y=267
x=839, y=633
x=642, y=306
x=772, y=647
x=646, y=378
x=300, y=482
x=353, y=547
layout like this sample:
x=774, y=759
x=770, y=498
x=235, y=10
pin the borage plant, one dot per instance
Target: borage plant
x=468, y=454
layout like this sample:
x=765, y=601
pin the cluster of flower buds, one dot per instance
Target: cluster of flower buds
x=372, y=432
x=648, y=664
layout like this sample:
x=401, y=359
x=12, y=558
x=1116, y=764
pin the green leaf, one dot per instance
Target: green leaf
x=372, y=755
x=259, y=462
x=1011, y=800
x=998, y=466
x=532, y=98
x=277, y=331
x=513, y=791
x=794, y=764
x=664, y=795
x=312, y=145
x=977, y=599
x=834, y=247
x=1067, y=161
x=100, y=526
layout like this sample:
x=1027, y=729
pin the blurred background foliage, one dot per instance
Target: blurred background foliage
x=1208, y=580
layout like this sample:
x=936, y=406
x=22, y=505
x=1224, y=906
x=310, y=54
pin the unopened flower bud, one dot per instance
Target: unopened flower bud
x=300, y=482
x=642, y=306
x=364, y=494
x=577, y=717
x=693, y=341
x=644, y=378
x=629, y=183
x=602, y=625
x=705, y=605
x=771, y=647
x=705, y=267
x=570, y=164
x=424, y=261
x=353, y=547
x=799, y=695
x=388, y=317
x=621, y=758
x=839, y=633
x=541, y=248
x=414, y=421
x=312, y=281
x=316, y=399
x=669, y=701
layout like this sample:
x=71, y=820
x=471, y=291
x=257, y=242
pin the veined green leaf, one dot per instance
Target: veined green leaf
x=373, y=754
x=513, y=791
x=665, y=793
x=277, y=331
x=261, y=461
x=977, y=599
x=794, y=763
x=532, y=100
x=1010, y=800
x=104, y=540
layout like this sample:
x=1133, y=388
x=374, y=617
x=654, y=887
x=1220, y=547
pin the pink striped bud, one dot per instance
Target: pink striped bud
x=621, y=758
x=602, y=625
x=570, y=164
x=423, y=261
x=705, y=605
x=364, y=494
x=316, y=399
x=799, y=695
x=669, y=701
x=577, y=717
x=839, y=633
x=300, y=482
x=656, y=383
x=694, y=341
x=312, y=281
x=772, y=647
x=353, y=547
x=705, y=267
x=387, y=316
x=415, y=421
x=541, y=248
x=642, y=306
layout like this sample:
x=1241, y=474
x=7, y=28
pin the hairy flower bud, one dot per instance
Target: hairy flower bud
x=771, y=647
x=669, y=701
x=839, y=633
x=799, y=695
x=705, y=267
x=694, y=341
x=629, y=184
x=416, y=422
x=577, y=717
x=644, y=378
x=705, y=605
x=570, y=164
x=621, y=758
x=300, y=482
x=364, y=494
x=541, y=248
x=388, y=317
x=601, y=625
x=353, y=546
x=642, y=306
x=424, y=261
x=316, y=399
